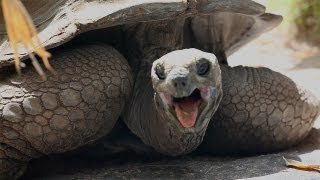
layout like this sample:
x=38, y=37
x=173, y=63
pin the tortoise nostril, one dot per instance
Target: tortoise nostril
x=179, y=82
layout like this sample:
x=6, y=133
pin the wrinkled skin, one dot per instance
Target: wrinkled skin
x=95, y=86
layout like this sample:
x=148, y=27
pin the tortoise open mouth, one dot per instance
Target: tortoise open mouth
x=186, y=109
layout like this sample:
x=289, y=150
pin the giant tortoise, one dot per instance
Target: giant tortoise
x=135, y=61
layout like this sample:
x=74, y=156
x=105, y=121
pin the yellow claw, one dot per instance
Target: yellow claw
x=20, y=29
x=299, y=165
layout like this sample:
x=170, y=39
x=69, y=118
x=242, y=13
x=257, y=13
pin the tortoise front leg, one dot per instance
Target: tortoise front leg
x=75, y=107
x=261, y=111
x=11, y=170
x=12, y=163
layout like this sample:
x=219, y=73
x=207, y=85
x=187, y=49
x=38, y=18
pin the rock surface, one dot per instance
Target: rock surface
x=270, y=166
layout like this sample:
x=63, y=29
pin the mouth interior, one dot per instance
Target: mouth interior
x=187, y=108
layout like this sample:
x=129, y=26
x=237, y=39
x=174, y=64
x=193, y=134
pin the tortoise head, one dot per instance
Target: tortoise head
x=188, y=89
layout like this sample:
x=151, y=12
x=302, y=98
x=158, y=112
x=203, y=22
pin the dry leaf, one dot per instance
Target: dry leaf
x=20, y=29
x=299, y=165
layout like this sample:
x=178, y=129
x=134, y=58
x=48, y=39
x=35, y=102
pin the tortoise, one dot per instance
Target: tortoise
x=161, y=68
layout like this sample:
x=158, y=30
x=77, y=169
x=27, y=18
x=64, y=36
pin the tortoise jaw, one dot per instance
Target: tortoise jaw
x=186, y=110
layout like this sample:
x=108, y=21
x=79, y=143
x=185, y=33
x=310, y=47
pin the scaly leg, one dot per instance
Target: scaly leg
x=261, y=111
x=12, y=163
x=77, y=106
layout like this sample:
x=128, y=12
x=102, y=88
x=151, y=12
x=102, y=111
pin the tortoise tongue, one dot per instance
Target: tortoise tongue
x=187, y=112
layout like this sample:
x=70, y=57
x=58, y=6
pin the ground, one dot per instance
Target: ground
x=300, y=62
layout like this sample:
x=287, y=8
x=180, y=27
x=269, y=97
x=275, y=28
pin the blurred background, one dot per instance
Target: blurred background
x=291, y=48
x=301, y=16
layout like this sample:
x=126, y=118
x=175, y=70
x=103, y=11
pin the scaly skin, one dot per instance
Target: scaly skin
x=77, y=106
x=261, y=111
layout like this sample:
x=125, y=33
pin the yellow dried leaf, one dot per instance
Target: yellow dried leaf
x=20, y=29
x=299, y=165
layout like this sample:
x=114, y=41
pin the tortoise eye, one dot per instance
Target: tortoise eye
x=160, y=71
x=203, y=67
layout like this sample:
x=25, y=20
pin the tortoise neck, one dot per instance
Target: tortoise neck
x=154, y=128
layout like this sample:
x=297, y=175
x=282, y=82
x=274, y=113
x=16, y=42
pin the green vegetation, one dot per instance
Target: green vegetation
x=307, y=20
x=303, y=14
